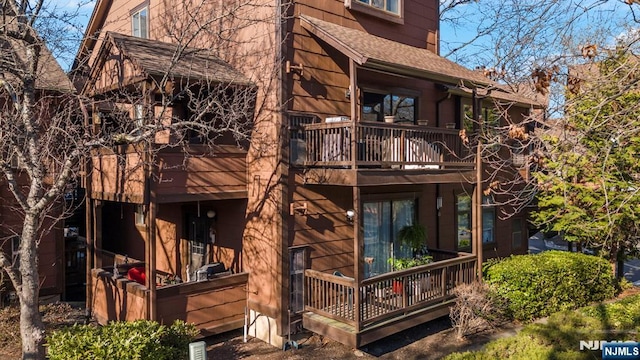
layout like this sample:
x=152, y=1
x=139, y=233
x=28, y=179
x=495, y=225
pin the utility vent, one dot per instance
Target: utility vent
x=198, y=351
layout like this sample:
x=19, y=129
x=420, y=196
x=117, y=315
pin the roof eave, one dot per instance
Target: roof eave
x=360, y=59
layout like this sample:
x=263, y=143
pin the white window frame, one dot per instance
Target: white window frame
x=140, y=218
x=15, y=251
x=368, y=7
x=138, y=117
x=135, y=20
x=488, y=215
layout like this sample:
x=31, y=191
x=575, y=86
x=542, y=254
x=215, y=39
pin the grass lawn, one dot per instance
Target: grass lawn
x=559, y=337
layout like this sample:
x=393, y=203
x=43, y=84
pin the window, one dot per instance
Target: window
x=488, y=220
x=489, y=116
x=386, y=5
x=15, y=251
x=516, y=233
x=138, y=118
x=463, y=217
x=297, y=265
x=375, y=106
x=382, y=220
x=139, y=215
x=199, y=236
x=139, y=23
x=389, y=10
x=463, y=212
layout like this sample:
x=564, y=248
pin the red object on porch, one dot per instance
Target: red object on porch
x=397, y=287
x=137, y=274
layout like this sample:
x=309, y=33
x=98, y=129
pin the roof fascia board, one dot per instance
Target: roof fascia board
x=337, y=44
x=98, y=16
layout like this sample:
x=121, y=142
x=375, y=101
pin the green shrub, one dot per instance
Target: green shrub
x=560, y=336
x=140, y=339
x=541, y=284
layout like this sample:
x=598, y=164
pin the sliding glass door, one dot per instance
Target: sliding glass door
x=382, y=221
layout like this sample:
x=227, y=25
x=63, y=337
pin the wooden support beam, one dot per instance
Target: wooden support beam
x=353, y=87
x=358, y=261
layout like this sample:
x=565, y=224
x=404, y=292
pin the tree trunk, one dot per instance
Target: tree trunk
x=620, y=263
x=31, y=326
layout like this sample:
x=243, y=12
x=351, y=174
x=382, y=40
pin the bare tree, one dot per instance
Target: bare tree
x=581, y=56
x=527, y=48
x=190, y=96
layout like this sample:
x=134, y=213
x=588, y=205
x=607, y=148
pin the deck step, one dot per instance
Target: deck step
x=347, y=335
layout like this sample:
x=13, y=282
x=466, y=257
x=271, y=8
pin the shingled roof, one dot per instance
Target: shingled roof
x=156, y=58
x=50, y=75
x=375, y=52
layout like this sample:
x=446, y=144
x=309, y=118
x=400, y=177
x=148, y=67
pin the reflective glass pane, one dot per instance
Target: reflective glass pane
x=392, y=6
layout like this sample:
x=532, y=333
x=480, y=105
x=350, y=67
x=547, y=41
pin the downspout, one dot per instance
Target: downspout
x=477, y=194
x=282, y=165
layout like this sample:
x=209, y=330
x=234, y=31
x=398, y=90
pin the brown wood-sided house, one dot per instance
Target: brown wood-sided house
x=359, y=137
x=57, y=256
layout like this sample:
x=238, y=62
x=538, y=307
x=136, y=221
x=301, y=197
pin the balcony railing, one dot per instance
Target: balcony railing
x=379, y=145
x=388, y=296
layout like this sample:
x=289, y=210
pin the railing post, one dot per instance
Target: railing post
x=405, y=293
x=444, y=281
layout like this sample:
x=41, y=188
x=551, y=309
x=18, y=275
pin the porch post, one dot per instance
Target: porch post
x=151, y=274
x=477, y=211
x=97, y=233
x=150, y=254
x=89, y=251
x=353, y=81
x=477, y=194
x=358, y=262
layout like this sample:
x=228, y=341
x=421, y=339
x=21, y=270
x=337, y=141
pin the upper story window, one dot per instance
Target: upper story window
x=391, y=10
x=489, y=117
x=377, y=105
x=138, y=118
x=140, y=22
x=463, y=217
x=387, y=5
x=488, y=220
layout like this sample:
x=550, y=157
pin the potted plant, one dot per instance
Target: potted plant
x=411, y=237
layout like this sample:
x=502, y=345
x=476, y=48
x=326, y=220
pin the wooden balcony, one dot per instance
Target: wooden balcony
x=358, y=314
x=195, y=173
x=333, y=153
x=214, y=305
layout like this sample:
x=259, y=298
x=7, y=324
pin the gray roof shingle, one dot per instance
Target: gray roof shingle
x=158, y=58
x=370, y=50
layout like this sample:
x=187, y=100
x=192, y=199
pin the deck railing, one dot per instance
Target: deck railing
x=381, y=144
x=390, y=295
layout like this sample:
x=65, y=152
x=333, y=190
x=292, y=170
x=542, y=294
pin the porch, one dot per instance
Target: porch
x=358, y=314
x=344, y=153
x=214, y=305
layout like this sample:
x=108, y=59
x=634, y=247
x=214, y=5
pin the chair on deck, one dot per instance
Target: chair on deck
x=349, y=292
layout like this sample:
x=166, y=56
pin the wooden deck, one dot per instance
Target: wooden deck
x=382, y=145
x=382, y=305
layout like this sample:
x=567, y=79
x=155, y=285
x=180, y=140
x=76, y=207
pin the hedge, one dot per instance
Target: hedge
x=560, y=336
x=540, y=284
x=140, y=339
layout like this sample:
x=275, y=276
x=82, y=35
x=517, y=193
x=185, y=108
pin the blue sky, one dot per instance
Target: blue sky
x=613, y=16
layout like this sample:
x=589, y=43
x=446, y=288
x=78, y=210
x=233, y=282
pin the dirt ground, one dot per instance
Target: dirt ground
x=432, y=340
x=54, y=316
